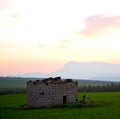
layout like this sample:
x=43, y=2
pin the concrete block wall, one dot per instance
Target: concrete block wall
x=51, y=92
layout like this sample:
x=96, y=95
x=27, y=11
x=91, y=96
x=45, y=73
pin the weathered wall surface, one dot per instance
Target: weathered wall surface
x=51, y=92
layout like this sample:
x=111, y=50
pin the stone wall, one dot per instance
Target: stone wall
x=51, y=91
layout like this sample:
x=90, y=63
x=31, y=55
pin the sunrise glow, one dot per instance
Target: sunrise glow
x=43, y=35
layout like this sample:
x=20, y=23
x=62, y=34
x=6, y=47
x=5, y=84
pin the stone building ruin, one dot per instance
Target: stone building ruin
x=51, y=91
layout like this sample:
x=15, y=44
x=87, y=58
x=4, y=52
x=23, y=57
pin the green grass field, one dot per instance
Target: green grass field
x=9, y=108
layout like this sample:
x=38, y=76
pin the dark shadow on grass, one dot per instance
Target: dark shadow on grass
x=90, y=104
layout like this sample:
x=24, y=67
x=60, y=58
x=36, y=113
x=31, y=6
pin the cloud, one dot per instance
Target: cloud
x=65, y=43
x=4, y=44
x=42, y=45
x=60, y=44
x=100, y=24
x=11, y=44
x=16, y=15
x=4, y=4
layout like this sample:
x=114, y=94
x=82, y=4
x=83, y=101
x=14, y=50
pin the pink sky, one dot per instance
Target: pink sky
x=41, y=36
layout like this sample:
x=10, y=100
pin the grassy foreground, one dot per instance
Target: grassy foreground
x=9, y=104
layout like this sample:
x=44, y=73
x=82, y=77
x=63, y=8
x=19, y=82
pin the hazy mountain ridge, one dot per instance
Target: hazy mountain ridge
x=84, y=70
x=29, y=75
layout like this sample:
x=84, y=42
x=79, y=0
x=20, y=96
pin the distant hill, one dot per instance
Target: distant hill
x=29, y=75
x=84, y=70
x=107, y=77
x=17, y=82
x=90, y=70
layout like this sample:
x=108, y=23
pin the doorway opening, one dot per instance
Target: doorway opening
x=64, y=99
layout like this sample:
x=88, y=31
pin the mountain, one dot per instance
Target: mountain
x=107, y=77
x=88, y=70
x=29, y=75
x=84, y=70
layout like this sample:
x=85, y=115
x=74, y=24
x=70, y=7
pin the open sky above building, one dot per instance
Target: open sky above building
x=43, y=35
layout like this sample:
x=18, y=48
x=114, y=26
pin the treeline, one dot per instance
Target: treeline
x=112, y=87
x=12, y=91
